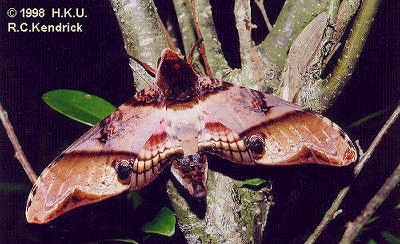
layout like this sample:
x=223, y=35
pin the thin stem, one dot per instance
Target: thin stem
x=329, y=215
x=243, y=25
x=376, y=141
x=170, y=41
x=146, y=66
x=260, y=5
x=354, y=227
x=215, y=58
x=185, y=20
x=19, y=154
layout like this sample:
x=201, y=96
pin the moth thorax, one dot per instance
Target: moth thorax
x=188, y=135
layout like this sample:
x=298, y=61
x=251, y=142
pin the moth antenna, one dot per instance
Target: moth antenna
x=146, y=66
x=190, y=57
x=202, y=49
x=171, y=43
x=141, y=75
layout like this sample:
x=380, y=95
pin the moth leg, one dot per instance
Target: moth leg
x=191, y=172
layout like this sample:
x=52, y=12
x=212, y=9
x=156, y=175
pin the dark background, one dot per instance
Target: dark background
x=95, y=61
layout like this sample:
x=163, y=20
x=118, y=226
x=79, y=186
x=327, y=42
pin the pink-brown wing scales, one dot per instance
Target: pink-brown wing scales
x=103, y=162
x=218, y=139
x=247, y=126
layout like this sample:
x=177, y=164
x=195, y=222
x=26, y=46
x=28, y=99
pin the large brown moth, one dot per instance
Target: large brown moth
x=178, y=120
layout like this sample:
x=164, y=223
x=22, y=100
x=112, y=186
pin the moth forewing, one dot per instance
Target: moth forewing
x=86, y=172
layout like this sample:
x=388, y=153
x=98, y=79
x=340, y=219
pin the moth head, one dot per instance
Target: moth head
x=175, y=77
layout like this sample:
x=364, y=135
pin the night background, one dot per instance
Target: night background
x=95, y=62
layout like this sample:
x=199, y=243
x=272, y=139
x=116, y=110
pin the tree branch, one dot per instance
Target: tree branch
x=351, y=52
x=19, y=154
x=185, y=20
x=228, y=208
x=329, y=215
x=341, y=18
x=219, y=66
x=354, y=227
x=376, y=141
x=260, y=5
x=242, y=13
x=294, y=16
x=142, y=33
x=304, y=54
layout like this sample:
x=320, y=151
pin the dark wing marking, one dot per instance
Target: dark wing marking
x=276, y=132
x=301, y=137
x=97, y=165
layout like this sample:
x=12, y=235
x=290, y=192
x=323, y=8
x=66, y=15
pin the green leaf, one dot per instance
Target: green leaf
x=397, y=206
x=390, y=238
x=253, y=182
x=136, y=199
x=123, y=240
x=366, y=118
x=370, y=220
x=6, y=187
x=78, y=105
x=162, y=224
x=371, y=241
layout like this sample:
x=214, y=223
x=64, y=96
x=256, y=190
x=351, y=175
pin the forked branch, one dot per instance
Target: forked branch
x=352, y=49
x=19, y=154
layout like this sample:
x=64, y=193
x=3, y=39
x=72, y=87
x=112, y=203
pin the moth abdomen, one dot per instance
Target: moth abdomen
x=191, y=172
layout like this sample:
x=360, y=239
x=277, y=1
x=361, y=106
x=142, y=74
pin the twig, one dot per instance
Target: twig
x=336, y=203
x=260, y=5
x=354, y=227
x=329, y=215
x=376, y=141
x=19, y=154
x=242, y=11
x=169, y=38
x=216, y=60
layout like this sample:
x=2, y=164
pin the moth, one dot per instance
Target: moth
x=177, y=121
